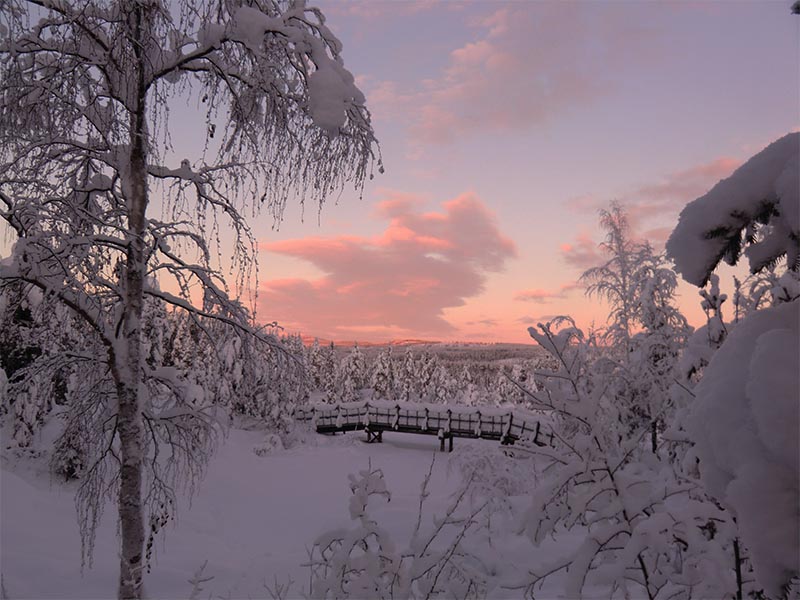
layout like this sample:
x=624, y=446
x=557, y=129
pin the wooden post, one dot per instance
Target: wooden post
x=507, y=436
x=536, y=435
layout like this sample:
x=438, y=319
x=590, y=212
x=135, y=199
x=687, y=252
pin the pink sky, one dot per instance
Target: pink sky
x=504, y=128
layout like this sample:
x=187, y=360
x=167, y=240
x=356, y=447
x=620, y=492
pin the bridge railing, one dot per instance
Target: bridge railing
x=449, y=420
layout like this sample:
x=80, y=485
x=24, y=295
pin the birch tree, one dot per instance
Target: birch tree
x=618, y=279
x=85, y=159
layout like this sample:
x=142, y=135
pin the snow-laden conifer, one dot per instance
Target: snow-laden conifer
x=382, y=380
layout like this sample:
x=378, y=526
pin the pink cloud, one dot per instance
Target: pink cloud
x=666, y=198
x=484, y=322
x=528, y=320
x=652, y=208
x=400, y=280
x=539, y=296
x=662, y=200
x=582, y=253
x=526, y=63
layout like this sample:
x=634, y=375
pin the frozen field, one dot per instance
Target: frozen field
x=252, y=519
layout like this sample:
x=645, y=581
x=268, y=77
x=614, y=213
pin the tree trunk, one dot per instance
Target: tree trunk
x=654, y=436
x=131, y=517
x=129, y=359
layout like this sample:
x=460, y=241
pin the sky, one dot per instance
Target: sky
x=504, y=127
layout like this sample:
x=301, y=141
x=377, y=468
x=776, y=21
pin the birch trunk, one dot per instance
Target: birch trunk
x=130, y=421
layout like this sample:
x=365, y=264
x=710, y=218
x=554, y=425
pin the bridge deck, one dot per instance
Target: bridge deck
x=443, y=421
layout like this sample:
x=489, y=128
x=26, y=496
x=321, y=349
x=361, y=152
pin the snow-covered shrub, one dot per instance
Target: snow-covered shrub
x=755, y=212
x=645, y=525
x=746, y=410
x=272, y=443
x=497, y=478
x=745, y=427
x=365, y=562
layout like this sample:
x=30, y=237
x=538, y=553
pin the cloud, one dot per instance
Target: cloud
x=661, y=201
x=539, y=296
x=652, y=208
x=398, y=281
x=526, y=63
x=582, y=253
x=484, y=322
x=667, y=197
x=527, y=320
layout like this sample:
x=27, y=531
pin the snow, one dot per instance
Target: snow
x=250, y=26
x=770, y=177
x=210, y=35
x=253, y=517
x=331, y=88
x=261, y=507
x=745, y=426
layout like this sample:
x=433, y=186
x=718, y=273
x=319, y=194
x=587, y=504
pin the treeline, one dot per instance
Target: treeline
x=415, y=376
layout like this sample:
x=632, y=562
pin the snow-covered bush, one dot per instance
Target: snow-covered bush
x=645, y=525
x=745, y=430
x=365, y=562
x=744, y=419
x=272, y=443
x=755, y=212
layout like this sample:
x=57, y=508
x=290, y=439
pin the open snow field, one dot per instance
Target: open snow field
x=252, y=518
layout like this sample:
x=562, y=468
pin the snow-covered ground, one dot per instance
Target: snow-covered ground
x=253, y=517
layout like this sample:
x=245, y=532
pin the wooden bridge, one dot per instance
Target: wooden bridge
x=445, y=422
